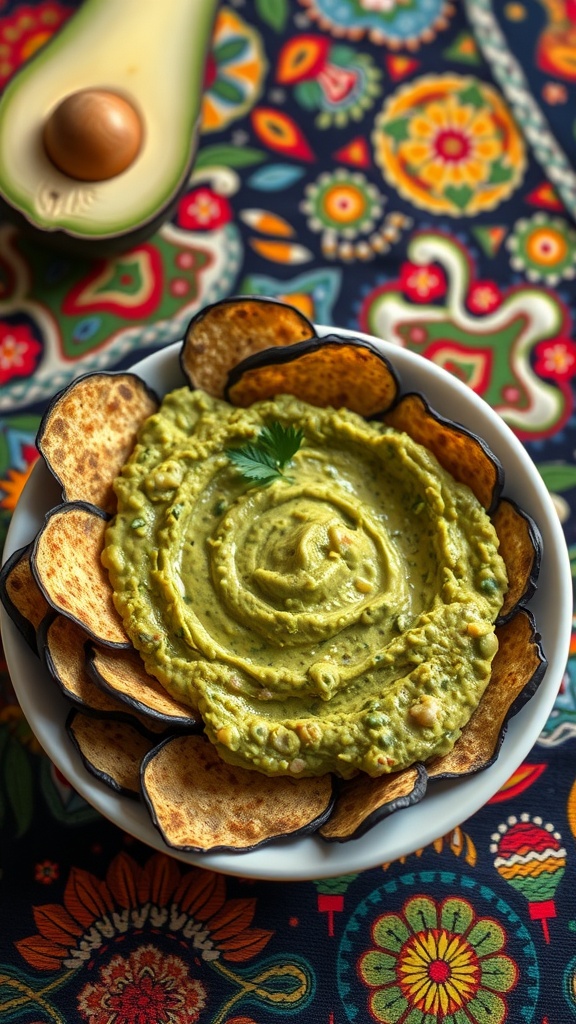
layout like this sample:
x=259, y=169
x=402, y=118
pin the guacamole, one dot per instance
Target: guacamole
x=337, y=619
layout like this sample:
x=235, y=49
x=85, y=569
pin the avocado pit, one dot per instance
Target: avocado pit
x=93, y=135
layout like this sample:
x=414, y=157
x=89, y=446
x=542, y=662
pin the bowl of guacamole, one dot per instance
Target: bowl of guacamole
x=338, y=619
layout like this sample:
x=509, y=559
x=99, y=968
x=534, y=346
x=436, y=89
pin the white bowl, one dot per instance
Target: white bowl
x=446, y=804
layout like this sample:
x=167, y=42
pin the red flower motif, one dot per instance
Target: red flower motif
x=483, y=297
x=556, y=358
x=18, y=352
x=46, y=872
x=203, y=210
x=422, y=283
x=144, y=986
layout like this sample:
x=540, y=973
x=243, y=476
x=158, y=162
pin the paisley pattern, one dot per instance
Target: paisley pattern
x=236, y=69
x=486, y=336
x=333, y=79
x=403, y=167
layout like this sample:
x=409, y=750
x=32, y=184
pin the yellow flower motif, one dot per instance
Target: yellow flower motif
x=437, y=963
x=451, y=145
x=448, y=144
x=438, y=973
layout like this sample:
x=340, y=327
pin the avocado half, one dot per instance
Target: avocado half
x=150, y=57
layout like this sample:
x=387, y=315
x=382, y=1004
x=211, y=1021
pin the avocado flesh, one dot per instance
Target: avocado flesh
x=156, y=60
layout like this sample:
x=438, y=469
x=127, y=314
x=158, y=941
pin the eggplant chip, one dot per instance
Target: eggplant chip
x=61, y=644
x=520, y=547
x=113, y=751
x=363, y=801
x=330, y=371
x=228, y=331
x=89, y=430
x=199, y=802
x=466, y=457
x=67, y=567
x=122, y=675
x=21, y=596
x=517, y=670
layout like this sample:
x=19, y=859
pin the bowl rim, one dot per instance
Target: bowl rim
x=447, y=804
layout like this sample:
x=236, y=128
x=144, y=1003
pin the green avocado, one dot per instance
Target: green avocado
x=153, y=61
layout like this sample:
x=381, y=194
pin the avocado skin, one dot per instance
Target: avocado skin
x=105, y=248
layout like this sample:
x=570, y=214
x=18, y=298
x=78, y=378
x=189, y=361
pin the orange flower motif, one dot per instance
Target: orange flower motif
x=13, y=484
x=191, y=907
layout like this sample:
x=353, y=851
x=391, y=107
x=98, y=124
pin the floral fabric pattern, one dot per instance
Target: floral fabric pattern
x=405, y=168
x=449, y=146
x=437, y=961
x=144, y=986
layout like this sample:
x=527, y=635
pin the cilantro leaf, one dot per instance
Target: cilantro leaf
x=264, y=459
x=280, y=442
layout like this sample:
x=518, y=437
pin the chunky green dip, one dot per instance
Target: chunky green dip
x=340, y=618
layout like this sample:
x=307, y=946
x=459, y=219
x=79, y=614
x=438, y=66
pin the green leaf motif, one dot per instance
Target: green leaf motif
x=226, y=155
x=472, y=96
x=398, y=129
x=227, y=91
x=460, y=195
x=558, y=476
x=74, y=812
x=273, y=13
x=335, y=886
x=308, y=94
x=499, y=173
x=229, y=51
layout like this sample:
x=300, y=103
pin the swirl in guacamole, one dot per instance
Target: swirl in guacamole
x=340, y=618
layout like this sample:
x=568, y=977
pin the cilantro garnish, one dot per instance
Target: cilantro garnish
x=265, y=459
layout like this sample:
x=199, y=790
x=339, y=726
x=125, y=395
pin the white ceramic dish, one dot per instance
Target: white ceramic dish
x=445, y=805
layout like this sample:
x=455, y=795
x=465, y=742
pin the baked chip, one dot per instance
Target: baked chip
x=62, y=646
x=223, y=334
x=66, y=566
x=89, y=430
x=517, y=670
x=466, y=457
x=330, y=371
x=200, y=803
x=21, y=595
x=122, y=675
x=362, y=802
x=521, y=548
x=111, y=750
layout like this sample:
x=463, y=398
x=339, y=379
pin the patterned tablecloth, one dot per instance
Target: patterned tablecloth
x=403, y=167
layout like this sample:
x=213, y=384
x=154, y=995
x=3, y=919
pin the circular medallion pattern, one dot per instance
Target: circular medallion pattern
x=448, y=144
x=432, y=947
